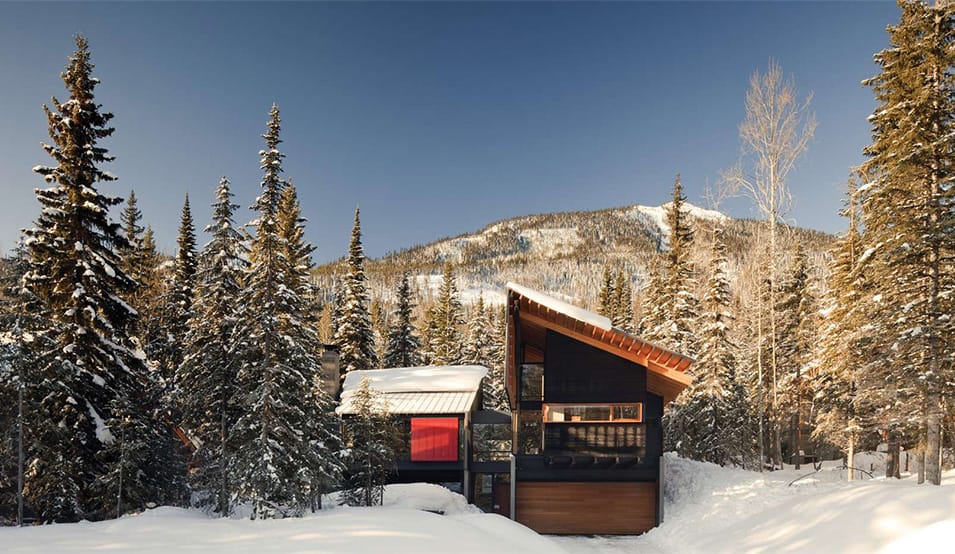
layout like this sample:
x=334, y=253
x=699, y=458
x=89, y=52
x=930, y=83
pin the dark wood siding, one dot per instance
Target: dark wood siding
x=570, y=508
x=577, y=372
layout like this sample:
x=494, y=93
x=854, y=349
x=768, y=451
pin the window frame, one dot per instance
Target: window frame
x=546, y=409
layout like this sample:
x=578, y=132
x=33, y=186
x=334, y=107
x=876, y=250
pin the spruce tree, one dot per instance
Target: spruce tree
x=680, y=305
x=909, y=213
x=354, y=334
x=94, y=375
x=178, y=299
x=605, y=297
x=371, y=438
x=273, y=460
x=710, y=421
x=445, y=322
x=206, y=382
x=622, y=303
x=403, y=342
x=841, y=350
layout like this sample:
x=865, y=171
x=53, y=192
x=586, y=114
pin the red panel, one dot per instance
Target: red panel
x=434, y=439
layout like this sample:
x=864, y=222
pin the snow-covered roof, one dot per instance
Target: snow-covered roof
x=562, y=307
x=419, y=390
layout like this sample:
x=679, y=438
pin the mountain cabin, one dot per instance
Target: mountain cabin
x=581, y=451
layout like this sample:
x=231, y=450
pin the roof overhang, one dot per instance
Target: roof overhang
x=665, y=369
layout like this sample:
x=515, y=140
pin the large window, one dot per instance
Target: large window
x=595, y=429
x=565, y=413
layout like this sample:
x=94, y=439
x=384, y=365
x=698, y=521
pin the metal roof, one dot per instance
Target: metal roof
x=420, y=402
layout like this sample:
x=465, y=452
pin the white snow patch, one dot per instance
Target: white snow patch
x=102, y=431
x=562, y=307
x=459, y=378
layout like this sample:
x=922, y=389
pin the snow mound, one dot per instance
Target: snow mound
x=428, y=497
x=400, y=527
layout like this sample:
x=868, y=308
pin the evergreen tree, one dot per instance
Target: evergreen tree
x=323, y=444
x=711, y=420
x=274, y=458
x=681, y=305
x=206, y=381
x=371, y=438
x=605, y=297
x=446, y=320
x=403, y=342
x=84, y=384
x=622, y=303
x=909, y=214
x=354, y=334
x=494, y=395
x=140, y=261
x=178, y=299
x=842, y=344
x=478, y=343
x=654, y=304
x=796, y=328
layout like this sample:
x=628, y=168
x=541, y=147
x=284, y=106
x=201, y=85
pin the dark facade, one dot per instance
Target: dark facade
x=588, y=440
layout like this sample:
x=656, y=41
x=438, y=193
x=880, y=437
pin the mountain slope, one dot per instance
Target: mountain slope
x=563, y=253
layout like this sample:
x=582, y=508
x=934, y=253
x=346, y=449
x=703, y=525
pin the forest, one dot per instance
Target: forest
x=132, y=379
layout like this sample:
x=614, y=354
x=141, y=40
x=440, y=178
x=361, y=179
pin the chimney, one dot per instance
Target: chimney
x=331, y=381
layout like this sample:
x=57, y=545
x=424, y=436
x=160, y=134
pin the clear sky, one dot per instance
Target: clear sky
x=435, y=118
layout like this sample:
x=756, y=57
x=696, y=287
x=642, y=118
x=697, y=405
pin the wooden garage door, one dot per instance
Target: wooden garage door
x=575, y=508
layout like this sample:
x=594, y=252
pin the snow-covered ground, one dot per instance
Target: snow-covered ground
x=714, y=509
x=709, y=509
x=402, y=526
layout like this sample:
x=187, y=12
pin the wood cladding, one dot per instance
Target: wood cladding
x=576, y=508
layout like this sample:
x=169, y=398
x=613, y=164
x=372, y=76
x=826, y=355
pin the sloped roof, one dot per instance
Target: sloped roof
x=419, y=390
x=666, y=370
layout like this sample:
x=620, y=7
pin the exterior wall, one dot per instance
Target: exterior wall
x=575, y=508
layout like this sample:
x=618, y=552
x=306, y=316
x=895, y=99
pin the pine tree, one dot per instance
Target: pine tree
x=178, y=299
x=76, y=274
x=403, y=342
x=477, y=348
x=909, y=213
x=206, y=382
x=683, y=309
x=276, y=437
x=493, y=393
x=354, y=334
x=322, y=469
x=795, y=343
x=371, y=438
x=445, y=321
x=654, y=304
x=606, y=295
x=140, y=261
x=622, y=313
x=711, y=420
x=841, y=351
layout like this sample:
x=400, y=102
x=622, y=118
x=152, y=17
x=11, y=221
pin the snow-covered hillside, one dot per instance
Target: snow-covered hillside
x=563, y=254
x=709, y=509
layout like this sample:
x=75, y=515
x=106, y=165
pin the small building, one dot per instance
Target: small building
x=587, y=401
x=437, y=409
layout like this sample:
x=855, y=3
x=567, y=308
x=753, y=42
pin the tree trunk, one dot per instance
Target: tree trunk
x=851, y=457
x=920, y=454
x=892, y=468
x=933, y=443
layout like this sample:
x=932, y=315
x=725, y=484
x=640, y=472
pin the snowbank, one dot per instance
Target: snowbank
x=398, y=528
x=715, y=509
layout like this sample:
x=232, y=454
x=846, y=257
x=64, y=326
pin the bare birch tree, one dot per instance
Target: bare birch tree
x=773, y=136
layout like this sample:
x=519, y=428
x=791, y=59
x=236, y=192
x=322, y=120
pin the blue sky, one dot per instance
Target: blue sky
x=435, y=118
